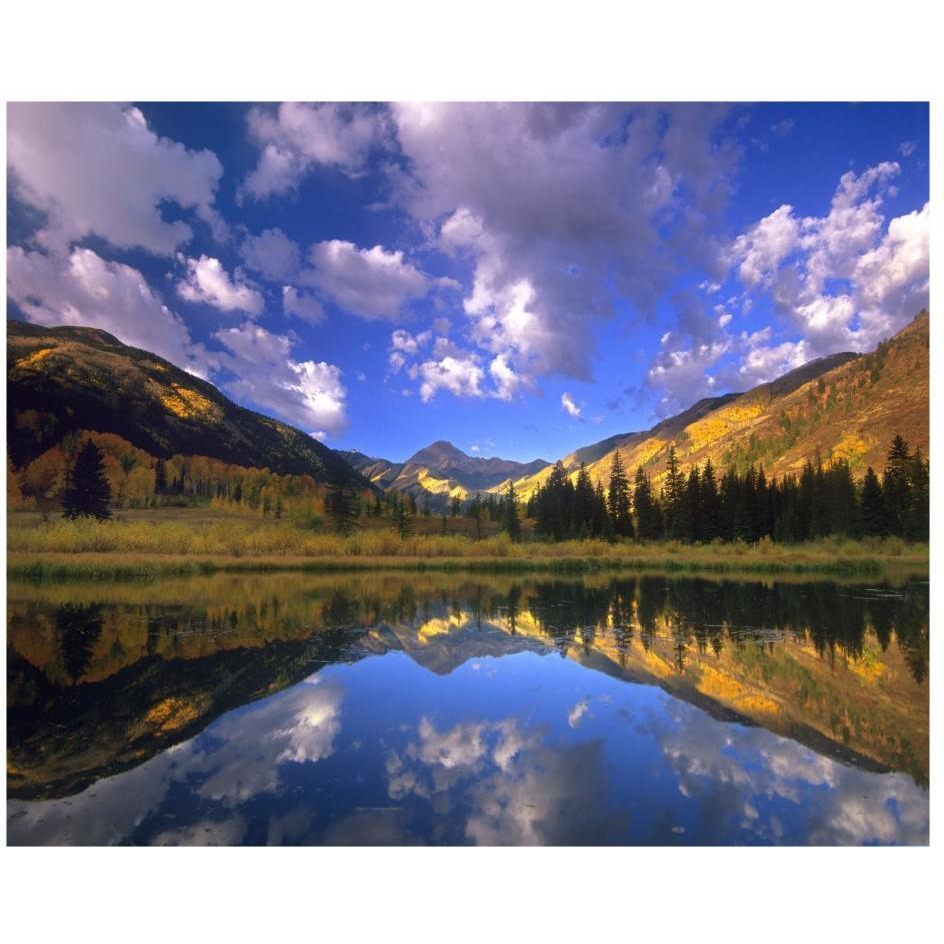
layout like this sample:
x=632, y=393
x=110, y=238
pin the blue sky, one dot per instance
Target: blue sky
x=519, y=279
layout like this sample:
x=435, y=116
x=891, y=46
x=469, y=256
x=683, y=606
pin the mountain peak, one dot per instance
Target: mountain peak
x=437, y=453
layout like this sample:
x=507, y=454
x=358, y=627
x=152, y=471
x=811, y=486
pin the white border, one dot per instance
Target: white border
x=485, y=50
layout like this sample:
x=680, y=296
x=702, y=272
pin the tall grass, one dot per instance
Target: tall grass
x=153, y=544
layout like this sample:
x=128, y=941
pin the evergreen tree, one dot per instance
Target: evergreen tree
x=763, y=500
x=686, y=526
x=555, y=504
x=745, y=512
x=672, y=493
x=583, y=503
x=872, y=504
x=456, y=506
x=844, y=507
x=896, y=487
x=475, y=513
x=341, y=504
x=648, y=515
x=87, y=492
x=917, y=520
x=511, y=523
x=600, y=520
x=618, y=498
x=709, y=525
x=402, y=522
x=160, y=477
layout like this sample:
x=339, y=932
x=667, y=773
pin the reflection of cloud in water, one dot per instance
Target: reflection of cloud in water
x=229, y=832
x=730, y=771
x=245, y=751
x=577, y=712
x=369, y=828
x=504, y=785
x=300, y=726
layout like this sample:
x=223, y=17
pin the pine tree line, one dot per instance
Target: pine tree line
x=700, y=507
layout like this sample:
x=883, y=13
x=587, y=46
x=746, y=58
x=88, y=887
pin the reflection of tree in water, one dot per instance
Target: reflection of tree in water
x=79, y=627
x=621, y=616
x=514, y=607
x=342, y=608
x=711, y=614
x=564, y=609
x=650, y=602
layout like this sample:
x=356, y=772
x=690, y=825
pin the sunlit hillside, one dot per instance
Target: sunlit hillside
x=844, y=406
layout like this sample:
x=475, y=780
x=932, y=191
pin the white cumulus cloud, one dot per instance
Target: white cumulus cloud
x=371, y=283
x=208, y=282
x=81, y=288
x=307, y=394
x=296, y=137
x=97, y=168
x=272, y=254
x=302, y=305
x=568, y=404
x=461, y=376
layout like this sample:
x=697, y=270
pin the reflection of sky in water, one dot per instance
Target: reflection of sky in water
x=523, y=749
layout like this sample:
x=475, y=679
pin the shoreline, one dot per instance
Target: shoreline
x=799, y=559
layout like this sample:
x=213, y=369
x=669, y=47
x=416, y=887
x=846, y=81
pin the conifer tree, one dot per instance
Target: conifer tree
x=686, y=525
x=475, y=513
x=554, y=505
x=917, y=521
x=341, y=504
x=511, y=522
x=672, y=493
x=872, y=504
x=87, y=492
x=709, y=525
x=160, y=478
x=583, y=502
x=601, y=516
x=402, y=522
x=896, y=486
x=648, y=515
x=618, y=498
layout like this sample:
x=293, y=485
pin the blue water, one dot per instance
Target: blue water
x=528, y=748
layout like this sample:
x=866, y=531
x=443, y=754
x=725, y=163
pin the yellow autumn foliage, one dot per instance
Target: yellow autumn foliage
x=187, y=403
x=37, y=357
x=170, y=714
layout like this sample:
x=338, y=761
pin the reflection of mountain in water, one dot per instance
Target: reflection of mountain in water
x=98, y=687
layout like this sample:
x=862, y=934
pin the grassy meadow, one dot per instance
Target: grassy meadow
x=203, y=540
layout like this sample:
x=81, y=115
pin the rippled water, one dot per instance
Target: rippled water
x=376, y=709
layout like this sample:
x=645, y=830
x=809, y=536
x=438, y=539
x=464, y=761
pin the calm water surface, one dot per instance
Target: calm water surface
x=451, y=709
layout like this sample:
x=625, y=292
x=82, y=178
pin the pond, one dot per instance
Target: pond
x=374, y=708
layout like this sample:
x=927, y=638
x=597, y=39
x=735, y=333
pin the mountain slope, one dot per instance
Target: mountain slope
x=843, y=406
x=441, y=471
x=65, y=379
x=381, y=472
